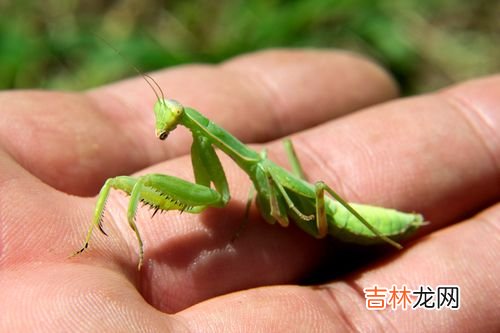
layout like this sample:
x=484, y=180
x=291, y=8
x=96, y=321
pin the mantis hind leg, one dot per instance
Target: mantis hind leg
x=321, y=220
x=297, y=169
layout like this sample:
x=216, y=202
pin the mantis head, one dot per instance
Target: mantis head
x=167, y=113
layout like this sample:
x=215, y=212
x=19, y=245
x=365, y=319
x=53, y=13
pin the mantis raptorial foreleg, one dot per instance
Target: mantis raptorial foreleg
x=207, y=167
x=98, y=213
x=135, y=197
x=158, y=191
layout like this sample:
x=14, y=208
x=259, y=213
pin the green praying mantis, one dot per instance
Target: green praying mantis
x=280, y=195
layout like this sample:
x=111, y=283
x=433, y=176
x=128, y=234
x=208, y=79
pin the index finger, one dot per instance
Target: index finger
x=74, y=141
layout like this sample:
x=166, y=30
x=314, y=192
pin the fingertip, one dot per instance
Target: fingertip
x=310, y=86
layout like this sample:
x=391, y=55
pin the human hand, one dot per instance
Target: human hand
x=436, y=154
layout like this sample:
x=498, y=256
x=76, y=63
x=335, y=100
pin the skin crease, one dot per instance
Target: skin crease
x=438, y=154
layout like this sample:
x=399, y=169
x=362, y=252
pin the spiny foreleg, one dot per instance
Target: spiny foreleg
x=161, y=192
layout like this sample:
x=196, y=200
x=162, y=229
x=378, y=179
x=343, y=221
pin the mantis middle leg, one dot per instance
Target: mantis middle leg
x=297, y=169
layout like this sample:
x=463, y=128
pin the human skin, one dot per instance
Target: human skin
x=437, y=154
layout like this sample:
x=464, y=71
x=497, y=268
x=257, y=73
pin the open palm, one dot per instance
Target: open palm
x=437, y=154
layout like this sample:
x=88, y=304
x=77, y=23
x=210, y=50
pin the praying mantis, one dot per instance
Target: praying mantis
x=280, y=195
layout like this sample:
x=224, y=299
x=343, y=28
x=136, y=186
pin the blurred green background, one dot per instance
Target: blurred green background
x=425, y=44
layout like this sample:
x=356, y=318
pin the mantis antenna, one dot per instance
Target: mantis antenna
x=141, y=73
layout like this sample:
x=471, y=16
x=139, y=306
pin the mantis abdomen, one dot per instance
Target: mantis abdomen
x=343, y=225
x=390, y=222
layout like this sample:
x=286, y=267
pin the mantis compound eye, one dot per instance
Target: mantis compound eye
x=163, y=135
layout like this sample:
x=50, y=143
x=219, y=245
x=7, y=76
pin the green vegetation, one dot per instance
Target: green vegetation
x=426, y=44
